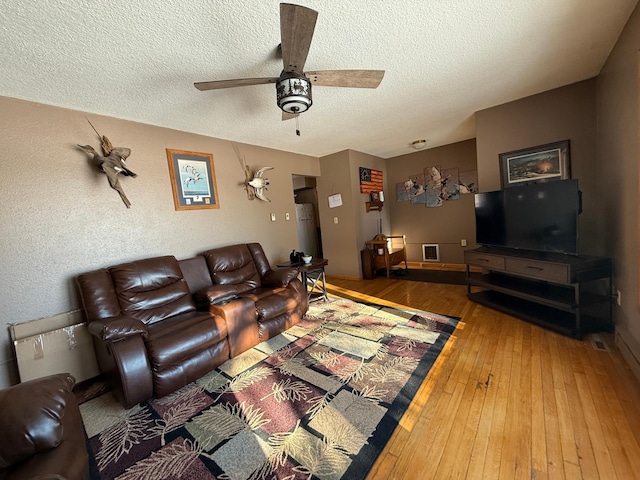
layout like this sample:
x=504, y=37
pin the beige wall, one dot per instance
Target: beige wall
x=560, y=114
x=367, y=223
x=446, y=225
x=60, y=217
x=338, y=239
x=618, y=155
x=343, y=241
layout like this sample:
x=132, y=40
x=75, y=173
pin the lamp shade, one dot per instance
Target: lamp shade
x=294, y=92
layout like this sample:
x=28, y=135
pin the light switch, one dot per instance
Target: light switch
x=273, y=217
x=335, y=220
x=286, y=216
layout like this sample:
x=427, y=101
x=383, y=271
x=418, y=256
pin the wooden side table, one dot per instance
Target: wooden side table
x=313, y=278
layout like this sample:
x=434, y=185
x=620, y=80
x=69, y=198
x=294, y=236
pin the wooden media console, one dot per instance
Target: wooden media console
x=570, y=294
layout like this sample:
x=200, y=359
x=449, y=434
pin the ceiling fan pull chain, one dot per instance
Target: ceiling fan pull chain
x=297, y=125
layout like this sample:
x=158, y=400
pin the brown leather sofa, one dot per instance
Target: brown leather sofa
x=42, y=431
x=150, y=337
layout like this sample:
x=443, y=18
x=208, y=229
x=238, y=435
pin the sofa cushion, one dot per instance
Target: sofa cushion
x=181, y=337
x=98, y=294
x=259, y=258
x=277, y=304
x=31, y=419
x=260, y=293
x=196, y=273
x=152, y=289
x=245, y=278
x=233, y=265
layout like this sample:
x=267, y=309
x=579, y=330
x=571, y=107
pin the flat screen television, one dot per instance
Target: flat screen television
x=541, y=217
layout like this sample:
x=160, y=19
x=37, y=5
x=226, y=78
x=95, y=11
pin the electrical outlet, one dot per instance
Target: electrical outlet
x=463, y=243
x=286, y=216
x=618, y=297
x=273, y=217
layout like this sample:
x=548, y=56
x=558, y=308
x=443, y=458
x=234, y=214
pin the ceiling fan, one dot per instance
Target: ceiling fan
x=293, y=86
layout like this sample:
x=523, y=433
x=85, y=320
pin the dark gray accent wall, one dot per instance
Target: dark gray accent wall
x=618, y=153
x=564, y=113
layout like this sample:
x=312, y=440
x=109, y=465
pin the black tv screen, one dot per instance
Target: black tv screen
x=541, y=216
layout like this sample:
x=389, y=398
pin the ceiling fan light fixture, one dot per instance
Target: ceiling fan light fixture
x=293, y=91
x=419, y=144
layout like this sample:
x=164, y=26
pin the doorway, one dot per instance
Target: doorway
x=305, y=197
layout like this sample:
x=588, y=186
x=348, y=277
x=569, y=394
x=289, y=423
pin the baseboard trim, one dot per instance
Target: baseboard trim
x=343, y=277
x=628, y=354
x=451, y=267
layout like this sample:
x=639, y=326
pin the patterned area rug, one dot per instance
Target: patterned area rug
x=319, y=401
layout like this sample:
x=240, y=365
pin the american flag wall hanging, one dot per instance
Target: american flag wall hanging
x=370, y=180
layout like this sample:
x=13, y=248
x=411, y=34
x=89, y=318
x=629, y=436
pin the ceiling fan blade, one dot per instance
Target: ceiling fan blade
x=241, y=82
x=346, y=78
x=289, y=116
x=297, y=24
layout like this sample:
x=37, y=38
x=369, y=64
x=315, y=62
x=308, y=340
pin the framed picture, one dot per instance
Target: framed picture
x=193, y=180
x=536, y=164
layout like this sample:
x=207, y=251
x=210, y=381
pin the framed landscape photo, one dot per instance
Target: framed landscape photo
x=193, y=180
x=536, y=164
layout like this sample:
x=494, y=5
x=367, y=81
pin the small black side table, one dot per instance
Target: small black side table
x=313, y=278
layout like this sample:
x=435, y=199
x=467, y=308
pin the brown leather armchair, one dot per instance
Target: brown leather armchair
x=42, y=432
x=149, y=337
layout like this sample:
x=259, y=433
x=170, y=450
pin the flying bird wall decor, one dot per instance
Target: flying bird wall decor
x=112, y=163
x=254, y=183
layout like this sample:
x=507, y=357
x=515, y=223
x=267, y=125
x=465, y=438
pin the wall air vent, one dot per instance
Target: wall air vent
x=430, y=252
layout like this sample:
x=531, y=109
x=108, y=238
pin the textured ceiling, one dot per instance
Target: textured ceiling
x=444, y=60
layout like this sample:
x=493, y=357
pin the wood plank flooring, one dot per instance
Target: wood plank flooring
x=507, y=399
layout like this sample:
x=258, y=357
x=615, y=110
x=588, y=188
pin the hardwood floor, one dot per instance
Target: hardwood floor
x=508, y=399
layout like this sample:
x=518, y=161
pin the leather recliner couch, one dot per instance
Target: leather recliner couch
x=42, y=431
x=150, y=336
x=243, y=272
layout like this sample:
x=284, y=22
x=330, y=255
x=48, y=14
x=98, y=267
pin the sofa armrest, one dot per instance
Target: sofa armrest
x=280, y=277
x=113, y=329
x=32, y=417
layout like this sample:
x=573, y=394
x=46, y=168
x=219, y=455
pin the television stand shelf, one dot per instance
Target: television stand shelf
x=566, y=293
